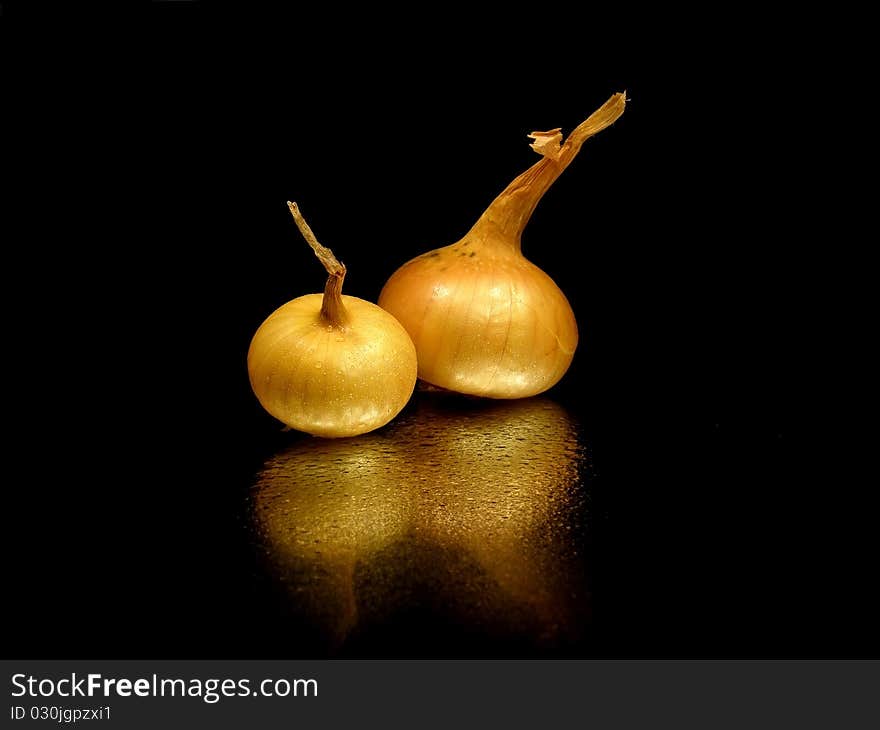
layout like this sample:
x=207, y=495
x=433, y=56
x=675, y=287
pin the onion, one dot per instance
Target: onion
x=331, y=365
x=484, y=320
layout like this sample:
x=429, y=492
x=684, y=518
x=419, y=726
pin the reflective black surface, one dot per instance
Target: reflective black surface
x=463, y=527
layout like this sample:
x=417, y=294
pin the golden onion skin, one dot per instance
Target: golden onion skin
x=514, y=332
x=485, y=321
x=332, y=381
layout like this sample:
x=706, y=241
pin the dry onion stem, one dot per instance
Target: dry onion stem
x=332, y=308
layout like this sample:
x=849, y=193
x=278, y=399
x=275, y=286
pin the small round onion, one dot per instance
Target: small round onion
x=331, y=365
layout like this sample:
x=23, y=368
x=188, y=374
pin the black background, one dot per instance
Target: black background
x=150, y=155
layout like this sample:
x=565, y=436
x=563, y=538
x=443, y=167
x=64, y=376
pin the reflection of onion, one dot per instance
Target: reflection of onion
x=343, y=496
x=320, y=505
x=512, y=491
x=495, y=470
x=455, y=494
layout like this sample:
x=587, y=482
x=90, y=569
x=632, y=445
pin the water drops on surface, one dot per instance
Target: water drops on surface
x=432, y=504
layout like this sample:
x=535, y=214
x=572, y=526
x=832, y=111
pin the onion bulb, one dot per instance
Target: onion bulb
x=331, y=365
x=486, y=321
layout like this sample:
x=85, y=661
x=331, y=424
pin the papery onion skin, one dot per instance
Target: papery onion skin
x=328, y=381
x=515, y=333
x=485, y=321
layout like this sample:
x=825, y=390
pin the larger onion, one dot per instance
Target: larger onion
x=485, y=320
